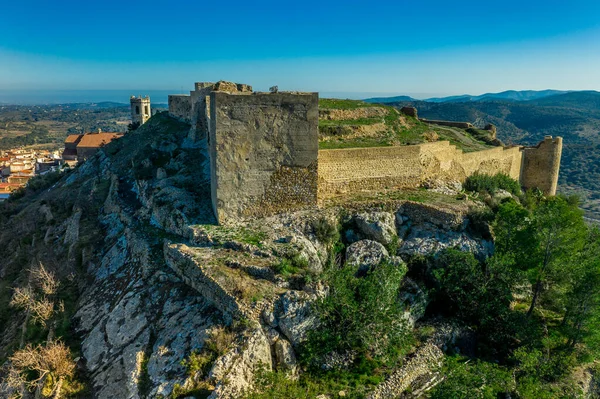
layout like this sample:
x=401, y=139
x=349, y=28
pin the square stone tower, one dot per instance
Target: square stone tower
x=140, y=109
x=263, y=153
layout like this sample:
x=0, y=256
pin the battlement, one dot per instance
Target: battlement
x=264, y=155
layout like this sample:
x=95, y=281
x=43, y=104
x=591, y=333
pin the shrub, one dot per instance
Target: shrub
x=325, y=231
x=483, y=183
x=361, y=315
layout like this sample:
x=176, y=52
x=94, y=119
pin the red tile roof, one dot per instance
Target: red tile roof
x=73, y=138
x=96, y=140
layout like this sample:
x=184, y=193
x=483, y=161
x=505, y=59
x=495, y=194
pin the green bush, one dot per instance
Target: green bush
x=483, y=183
x=325, y=231
x=361, y=314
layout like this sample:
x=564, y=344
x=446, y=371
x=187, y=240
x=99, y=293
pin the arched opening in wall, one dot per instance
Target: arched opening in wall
x=137, y=109
x=146, y=110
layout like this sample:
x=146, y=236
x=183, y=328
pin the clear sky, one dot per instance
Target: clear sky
x=417, y=47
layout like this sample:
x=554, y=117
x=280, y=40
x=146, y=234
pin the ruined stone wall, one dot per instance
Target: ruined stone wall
x=180, y=107
x=372, y=169
x=263, y=152
x=541, y=165
x=460, y=125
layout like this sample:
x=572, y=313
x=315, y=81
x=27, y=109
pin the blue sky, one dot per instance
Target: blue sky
x=422, y=48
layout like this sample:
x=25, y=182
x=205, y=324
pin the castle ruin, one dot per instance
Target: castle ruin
x=264, y=155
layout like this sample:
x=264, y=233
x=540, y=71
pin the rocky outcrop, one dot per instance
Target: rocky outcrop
x=295, y=317
x=377, y=226
x=235, y=370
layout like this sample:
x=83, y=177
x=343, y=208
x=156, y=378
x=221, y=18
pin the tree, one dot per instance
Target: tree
x=32, y=365
x=542, y=240
x=583, y=297
x=558, y=233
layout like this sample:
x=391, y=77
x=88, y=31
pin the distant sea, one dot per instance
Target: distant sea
x=27, y=97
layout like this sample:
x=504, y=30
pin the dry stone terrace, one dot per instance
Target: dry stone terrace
x=264, y=155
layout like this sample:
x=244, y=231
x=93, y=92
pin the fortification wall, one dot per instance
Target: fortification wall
x=460, y=125
x=541, y=165
x=180, y=107
x=263, y=152
x=372, y=169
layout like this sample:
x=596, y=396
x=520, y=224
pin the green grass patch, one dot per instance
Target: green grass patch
x=349, y=122
x=334, y=103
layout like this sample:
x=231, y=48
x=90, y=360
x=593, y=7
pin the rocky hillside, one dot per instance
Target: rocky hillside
x=118, y=284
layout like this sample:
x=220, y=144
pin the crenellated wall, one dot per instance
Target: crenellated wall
x=541, y=165
x=371, y=169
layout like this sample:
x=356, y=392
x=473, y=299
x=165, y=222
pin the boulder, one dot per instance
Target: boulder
x=366, y=255
x=410, y=111
x=427, y=240
x=377, y=226
x=286, y=358
x=295, y=316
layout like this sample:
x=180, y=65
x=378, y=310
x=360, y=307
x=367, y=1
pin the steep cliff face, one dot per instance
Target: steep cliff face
x=153, y=288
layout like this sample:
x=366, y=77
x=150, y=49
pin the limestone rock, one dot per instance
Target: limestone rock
x=377, y=226
x=295, y=316
x=410, y=111
x=235, y=370
x=427, y=240
x=366, y=255
x=286, y=358
x=447, y=187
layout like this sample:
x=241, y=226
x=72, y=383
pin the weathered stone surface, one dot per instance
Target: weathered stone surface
x=366, y=255
x=410, y=111
x=377, y=226
x=236, y=369
x=350, y=114
x=286, y=358
x=541, y=165
x=447, y=187
x=426, y=240
x=442, y=217
x=427, y=358
x=295, y=316
x=263, y=151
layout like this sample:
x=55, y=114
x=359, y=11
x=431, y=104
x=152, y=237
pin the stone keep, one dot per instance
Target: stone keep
x=140, y=109
x=263, y=152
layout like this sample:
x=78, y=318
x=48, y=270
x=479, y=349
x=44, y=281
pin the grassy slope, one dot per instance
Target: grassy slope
x=400, y=130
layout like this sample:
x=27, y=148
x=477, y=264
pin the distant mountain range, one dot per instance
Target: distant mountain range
x=509, y=95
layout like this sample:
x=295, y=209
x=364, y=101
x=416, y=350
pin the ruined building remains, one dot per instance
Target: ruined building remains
x=140, y=109
x=264, y=155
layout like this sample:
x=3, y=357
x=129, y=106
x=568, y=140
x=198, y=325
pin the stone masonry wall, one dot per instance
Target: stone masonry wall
x=263, y=152
x=371, y=169
x=460, y=125
x=541, y=165
x=180, y=107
